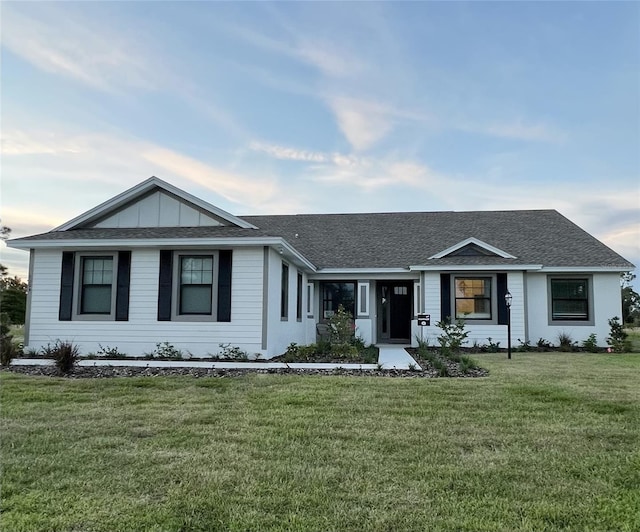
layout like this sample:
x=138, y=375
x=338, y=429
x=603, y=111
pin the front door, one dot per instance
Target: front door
x=395, y=300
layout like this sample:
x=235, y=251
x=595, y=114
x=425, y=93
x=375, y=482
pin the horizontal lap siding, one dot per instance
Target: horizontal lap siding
x=141, y=333
x=477, y=332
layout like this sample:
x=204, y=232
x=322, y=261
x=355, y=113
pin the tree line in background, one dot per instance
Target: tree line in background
x=13, y=296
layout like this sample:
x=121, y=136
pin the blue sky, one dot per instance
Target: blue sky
x=324, y=107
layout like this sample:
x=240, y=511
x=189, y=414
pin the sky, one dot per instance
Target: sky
x=313, y=107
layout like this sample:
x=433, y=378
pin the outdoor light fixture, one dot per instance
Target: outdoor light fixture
x=507, y=299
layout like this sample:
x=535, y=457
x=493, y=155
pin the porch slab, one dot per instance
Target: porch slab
x=395, y=357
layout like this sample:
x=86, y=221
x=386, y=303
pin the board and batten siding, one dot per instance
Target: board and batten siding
x=142, y=331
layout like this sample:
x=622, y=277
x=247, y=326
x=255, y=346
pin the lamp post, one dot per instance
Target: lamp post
x=507, y=299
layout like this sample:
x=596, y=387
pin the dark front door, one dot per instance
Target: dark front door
x=395, y=299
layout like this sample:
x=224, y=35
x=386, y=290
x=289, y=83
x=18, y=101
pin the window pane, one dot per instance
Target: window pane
x=96, y=299
x=336, y=294
x=95, y=292
x=473, y=298
x=196, y=284
x=195, y=299
x=196, y=270
x=97, y=270
x=569, y=299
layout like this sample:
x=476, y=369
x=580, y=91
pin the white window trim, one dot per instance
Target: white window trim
x=417, y=299
x=77, y=286
x=175, y=286
x=310, y=293
x=363, y=299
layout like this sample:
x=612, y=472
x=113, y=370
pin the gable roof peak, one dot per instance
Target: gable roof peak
x=472, y=242
x=138, y=191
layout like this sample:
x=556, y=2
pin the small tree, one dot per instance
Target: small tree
x=453, y=335
x=618, y=339
x=341, y=327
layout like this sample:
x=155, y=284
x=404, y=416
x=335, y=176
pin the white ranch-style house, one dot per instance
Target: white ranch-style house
x=156, y=264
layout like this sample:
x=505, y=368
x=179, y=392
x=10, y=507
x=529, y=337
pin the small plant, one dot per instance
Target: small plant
x=618, y=339
x=341, y=327
x=165, y=350
x=412, y=366
x=565, y=341
x=492, y=347
x=466, y=364
x=292, y=353
x=543, y=344
x=524, y=346
x=64, y=354
x=591, y=343
x=233, y=352
x=423, y=343
x=452, y=337
x=109, y=352
x=8, y=350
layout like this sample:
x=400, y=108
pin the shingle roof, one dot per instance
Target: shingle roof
x=398, y=240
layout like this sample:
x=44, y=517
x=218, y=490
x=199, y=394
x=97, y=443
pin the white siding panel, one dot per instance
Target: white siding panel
x=141, y=333
x=606, y=304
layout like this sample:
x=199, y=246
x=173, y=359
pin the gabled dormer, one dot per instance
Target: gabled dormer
x=472, y=247
x=154, y=203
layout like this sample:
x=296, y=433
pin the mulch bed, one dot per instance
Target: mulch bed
x=101, y=372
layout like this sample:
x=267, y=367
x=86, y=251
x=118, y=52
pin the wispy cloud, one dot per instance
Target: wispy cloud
x=521, y=130
x=286, y=153
x=64, y=44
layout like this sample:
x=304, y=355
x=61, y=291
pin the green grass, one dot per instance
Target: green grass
x=547, y=442
x=634, y=337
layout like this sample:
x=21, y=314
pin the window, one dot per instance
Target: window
x=363, y=299
x=473, y=298
x=336, y=294
x=299, y=298
x=284, y=292
x=569, y=299
x=196, y=285
x=97, y=285
x=310, y=300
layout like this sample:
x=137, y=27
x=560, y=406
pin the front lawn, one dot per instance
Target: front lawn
x=546, y=442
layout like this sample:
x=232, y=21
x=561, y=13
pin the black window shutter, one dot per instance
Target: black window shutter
x=165, y=285
x=66, y=286
x=122, y=288
x=501, y=282
x=445, y=296
x=224, y=285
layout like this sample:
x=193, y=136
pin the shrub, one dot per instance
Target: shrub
x=524, y=346
x=453, y=335
x=64, y=354
x=543, y=344
x=341, y=327
x=492, y=347
x=232, y=352
x=618, y=339
x=109, y=352
x=591, y=343
x=565, y=341
x=8, y=350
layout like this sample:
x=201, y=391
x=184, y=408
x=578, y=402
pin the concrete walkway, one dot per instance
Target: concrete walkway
x=395, y=356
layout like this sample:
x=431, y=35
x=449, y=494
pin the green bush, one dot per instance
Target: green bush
x=565, y=342
x=591, y=343
x=64, y=354
x=341, y=327
x=618, y=339
x=8, y=350
x=452, y=337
